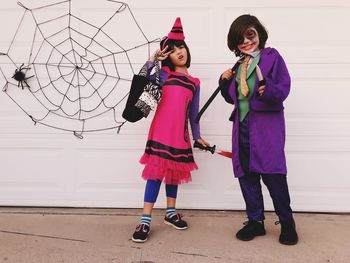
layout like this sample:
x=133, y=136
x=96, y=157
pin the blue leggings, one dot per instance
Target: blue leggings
x=152, y=190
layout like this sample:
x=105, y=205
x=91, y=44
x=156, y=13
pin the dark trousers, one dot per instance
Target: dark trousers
x=251, y=186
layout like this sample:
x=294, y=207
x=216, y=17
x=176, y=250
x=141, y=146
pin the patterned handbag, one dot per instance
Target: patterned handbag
x=144, y=95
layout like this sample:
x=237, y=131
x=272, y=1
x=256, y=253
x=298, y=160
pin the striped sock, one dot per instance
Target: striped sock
x=146, y=219
x=170, y=212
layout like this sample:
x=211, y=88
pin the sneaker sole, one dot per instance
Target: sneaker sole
x=140, y=240
x=248, y=239
x=289, y=243
x=176, y=227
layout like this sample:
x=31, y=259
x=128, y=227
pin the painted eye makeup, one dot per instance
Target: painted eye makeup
x=250, y=34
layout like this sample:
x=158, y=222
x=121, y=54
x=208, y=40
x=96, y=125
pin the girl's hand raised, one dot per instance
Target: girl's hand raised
x=160, y=54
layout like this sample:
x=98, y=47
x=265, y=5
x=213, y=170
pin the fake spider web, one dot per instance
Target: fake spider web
x=77, y=75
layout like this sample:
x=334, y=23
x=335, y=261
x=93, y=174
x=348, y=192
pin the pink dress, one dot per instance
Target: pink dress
x=168, y=155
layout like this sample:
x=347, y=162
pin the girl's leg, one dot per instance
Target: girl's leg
x=151, y=194
x=171, y=195
x=172, y=218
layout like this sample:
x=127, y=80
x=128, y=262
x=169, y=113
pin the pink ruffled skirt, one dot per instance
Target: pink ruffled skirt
x=168, y=171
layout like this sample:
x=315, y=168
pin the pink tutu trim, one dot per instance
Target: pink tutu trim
x=169, y=171
x=166, y=175
x=167, y=164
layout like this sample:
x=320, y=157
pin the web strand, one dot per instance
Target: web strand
x=86, y=77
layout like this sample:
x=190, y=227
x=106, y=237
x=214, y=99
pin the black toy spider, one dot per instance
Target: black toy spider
x=20, y=76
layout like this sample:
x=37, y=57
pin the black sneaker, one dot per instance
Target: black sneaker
x=251, y=230
x=176, y=221
x=288, y=234
x=141, y=233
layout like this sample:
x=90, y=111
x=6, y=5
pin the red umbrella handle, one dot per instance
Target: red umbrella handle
x=207, y=148
x=212, y=149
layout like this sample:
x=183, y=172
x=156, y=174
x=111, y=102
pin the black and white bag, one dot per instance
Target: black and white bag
x=144, y=95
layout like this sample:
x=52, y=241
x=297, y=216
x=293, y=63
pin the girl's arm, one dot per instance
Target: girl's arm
x=277, y=84
x=159, y=55
x=147, y=69
x=194, y=109
x=193, y=114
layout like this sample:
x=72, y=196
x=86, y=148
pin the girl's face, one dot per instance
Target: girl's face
x=178, y=56
x=250, y=41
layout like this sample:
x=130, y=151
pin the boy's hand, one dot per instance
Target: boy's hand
x=261, y=90
x=227, y=74
x=262, y=81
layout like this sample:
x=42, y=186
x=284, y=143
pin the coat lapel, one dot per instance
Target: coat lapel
x=253, y=65
x=266, y=61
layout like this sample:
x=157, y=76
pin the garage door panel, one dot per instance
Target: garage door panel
x=47, y=167
x=25, y=168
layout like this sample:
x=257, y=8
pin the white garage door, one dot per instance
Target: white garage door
x=46, y=167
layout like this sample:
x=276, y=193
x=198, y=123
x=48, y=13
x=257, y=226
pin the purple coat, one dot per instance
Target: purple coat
x=266, y=117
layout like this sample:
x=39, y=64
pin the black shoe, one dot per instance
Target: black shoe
x=141, y=233
x=288, y=234
x=251, y=230
x=176, y=221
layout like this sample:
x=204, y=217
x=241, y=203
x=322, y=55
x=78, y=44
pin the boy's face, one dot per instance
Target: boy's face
x=250, y=41
x=178, y=56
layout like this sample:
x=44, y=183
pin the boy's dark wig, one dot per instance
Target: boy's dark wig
x=237, y=29
x=171, y=43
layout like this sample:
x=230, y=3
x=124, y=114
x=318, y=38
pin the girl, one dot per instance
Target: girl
x=168, y=156
x=258, y=90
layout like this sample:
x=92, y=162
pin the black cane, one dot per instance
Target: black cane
x=212, y=97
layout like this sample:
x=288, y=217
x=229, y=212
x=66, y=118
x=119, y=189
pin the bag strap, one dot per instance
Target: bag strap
x=157, y=71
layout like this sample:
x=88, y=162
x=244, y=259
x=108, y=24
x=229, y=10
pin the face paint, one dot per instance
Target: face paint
x=250, y=41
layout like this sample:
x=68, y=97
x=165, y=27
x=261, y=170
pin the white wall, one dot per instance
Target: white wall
x=46, y=167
